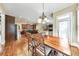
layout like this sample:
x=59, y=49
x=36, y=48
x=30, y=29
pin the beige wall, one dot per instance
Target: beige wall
x=72, y=9
x=39, y=28
x=20, y=20
x=2, y=11
x=2, y=8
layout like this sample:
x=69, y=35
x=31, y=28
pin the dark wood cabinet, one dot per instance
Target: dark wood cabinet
x=27, y=26
x=10, y=28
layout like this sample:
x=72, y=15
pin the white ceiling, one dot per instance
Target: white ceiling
x=32, y=11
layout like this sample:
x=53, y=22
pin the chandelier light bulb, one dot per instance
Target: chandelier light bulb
x=39, y=20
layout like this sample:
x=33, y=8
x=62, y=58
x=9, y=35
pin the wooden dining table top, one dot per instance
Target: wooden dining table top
x=55, y=43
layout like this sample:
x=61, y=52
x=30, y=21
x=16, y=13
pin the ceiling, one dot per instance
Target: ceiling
x=31, y=11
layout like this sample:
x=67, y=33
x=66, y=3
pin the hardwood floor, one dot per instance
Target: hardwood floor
x=16, y=48
x=22, y=47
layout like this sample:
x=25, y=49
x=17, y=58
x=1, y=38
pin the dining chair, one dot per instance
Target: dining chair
x=74, y=50
x=31, y=44
x=40, y=48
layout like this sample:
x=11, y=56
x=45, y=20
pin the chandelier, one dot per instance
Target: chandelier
x=43, y=18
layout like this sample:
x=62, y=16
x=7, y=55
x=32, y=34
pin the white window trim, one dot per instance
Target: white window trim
x=60, y=19
x=65, y=15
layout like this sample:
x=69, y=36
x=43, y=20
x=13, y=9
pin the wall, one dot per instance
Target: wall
x=72, y=9
x=39, y=28
x=20, y=20
x=2, y=11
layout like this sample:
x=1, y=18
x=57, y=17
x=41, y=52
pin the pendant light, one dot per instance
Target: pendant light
x=42, y=18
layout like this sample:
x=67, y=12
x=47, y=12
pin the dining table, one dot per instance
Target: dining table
x=57, y=44
x=60, y=45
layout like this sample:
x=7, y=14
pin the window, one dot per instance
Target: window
x=64, y=28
